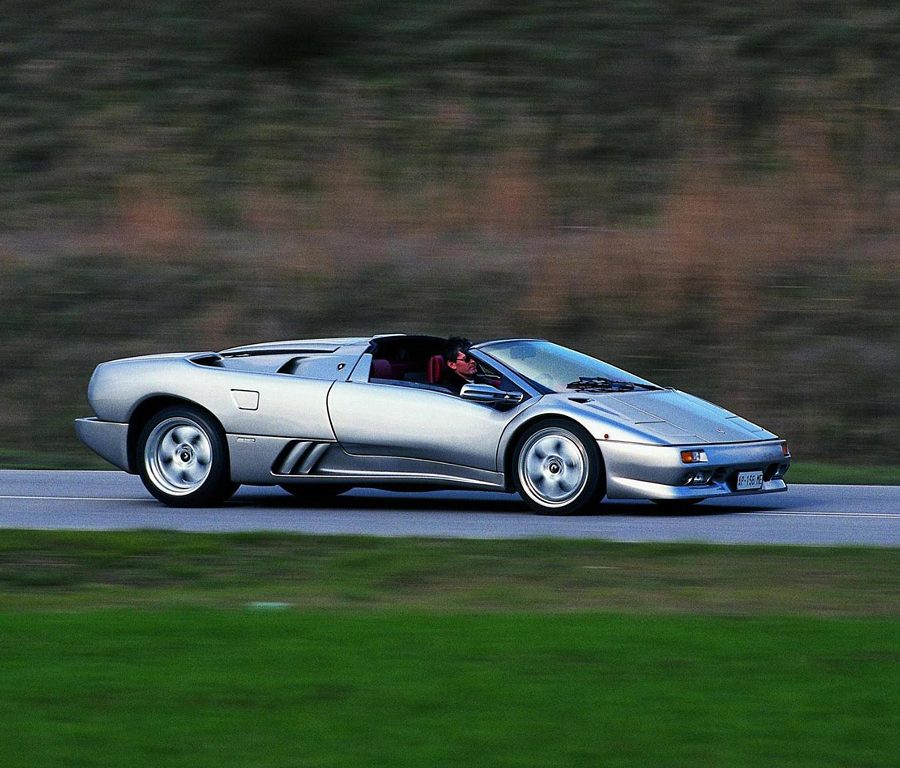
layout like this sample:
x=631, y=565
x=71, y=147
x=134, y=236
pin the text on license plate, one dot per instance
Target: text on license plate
x=749, y=481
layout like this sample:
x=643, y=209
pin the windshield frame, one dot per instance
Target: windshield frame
x=606, y=370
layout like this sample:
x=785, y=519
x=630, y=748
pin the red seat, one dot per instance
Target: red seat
x=434, y=373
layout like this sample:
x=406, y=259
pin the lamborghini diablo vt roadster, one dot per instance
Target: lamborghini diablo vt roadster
x=320, y=416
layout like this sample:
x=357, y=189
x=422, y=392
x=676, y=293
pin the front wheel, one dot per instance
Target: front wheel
x=557, y=468
x=184, y=458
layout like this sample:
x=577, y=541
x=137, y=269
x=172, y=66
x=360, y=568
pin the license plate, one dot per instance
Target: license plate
x=749, y=481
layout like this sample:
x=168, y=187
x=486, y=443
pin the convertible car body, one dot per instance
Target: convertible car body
x=320, y=416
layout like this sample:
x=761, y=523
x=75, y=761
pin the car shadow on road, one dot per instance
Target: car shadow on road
x=495, y=503
x=395, y=502
x=649, y=509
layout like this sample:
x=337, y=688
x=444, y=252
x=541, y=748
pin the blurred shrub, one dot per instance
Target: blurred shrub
x=292, y=32
x=605, y=98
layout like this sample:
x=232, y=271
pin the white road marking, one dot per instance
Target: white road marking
x=70, y=498
x=880, y=515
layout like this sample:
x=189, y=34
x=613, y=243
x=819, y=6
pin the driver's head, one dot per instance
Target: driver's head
x=456, y=356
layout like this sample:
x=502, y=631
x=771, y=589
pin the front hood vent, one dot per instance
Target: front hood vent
x=675, y=416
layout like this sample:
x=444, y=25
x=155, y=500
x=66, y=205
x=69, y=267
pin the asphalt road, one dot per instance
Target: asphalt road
x=815, y=515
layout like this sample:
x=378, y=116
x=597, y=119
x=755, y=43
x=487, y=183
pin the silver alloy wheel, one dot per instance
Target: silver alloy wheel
x=178, y=455
x=553, y=467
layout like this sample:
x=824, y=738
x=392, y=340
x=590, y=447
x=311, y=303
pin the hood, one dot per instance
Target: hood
x=673, y=416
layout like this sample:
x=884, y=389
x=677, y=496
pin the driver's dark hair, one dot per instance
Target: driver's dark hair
x=455, y=345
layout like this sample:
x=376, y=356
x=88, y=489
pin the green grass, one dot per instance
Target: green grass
x=75, y=459
x=205, y=688
x=165, y=649
x=835, y=474
x=42, y=570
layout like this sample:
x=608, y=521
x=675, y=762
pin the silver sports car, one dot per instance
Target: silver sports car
x=320, y=416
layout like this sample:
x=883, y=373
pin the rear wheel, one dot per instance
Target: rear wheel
x=183, y=458
x=557, y=468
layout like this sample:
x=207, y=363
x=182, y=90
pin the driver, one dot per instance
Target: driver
x=460, y=366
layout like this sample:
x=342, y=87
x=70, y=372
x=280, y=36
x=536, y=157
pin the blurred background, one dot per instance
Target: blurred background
x=705, y=193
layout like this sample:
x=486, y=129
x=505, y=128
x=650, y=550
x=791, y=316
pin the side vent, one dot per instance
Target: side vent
x=299, y=457
x=211, y=359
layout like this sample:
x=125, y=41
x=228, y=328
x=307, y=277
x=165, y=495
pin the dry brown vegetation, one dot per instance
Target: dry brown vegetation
x=775, y=294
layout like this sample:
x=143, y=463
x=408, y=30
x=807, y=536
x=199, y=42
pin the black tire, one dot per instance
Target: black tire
x=182, y=458
x=557, y=468
x=315, y=493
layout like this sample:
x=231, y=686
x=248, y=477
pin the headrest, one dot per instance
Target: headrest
x=434, y=374
x=381, y=369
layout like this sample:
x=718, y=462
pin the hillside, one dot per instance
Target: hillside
x=600, y=101
x=707, y=194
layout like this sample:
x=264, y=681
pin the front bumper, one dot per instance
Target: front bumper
x=635, y=471
x=108, y=439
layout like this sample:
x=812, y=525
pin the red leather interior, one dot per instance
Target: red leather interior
x=435, y=371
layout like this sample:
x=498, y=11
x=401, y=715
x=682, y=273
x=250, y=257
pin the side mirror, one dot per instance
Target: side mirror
x=485, y=393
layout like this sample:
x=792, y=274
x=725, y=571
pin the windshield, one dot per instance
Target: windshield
x=561, y=370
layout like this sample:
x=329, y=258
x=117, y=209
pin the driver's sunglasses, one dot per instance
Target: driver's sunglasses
x=466, y=358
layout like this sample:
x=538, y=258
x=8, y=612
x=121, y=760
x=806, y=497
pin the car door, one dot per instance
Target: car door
x=378, y=419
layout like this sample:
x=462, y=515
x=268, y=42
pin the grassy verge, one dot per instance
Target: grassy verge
x=163, y=649
x=834, y=474
x=154, y=570
x=10, y=459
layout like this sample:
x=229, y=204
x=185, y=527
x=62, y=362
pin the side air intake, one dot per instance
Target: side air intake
x=299, y=457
